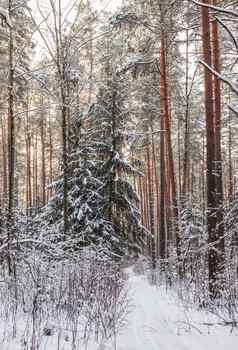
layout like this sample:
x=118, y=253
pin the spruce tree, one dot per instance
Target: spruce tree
x=87, y=226
x=102, y=204
x=109, y=119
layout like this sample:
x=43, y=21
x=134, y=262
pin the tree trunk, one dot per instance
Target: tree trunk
x=167, y=136
x=11, y=141
x=186, y=131
x=217, y=136
x=28, y=160
x=43, y=171
x=150, y=172
x=230, y=169
x=4, y=163
x=50, y=158
x=214, y=257
x=35, y=174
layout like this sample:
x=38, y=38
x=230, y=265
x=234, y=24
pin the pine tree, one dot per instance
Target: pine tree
x=214, y=187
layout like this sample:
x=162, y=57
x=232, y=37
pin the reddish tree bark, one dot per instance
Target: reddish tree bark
x=150, y=171
x=165, y=125
x=215, y=259
x=4, y=163
x=43, y=168
x=217, y=132
x=28, y=159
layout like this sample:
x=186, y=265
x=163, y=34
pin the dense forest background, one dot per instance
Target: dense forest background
x=117, y=143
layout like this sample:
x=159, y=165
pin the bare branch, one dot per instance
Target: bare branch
x=216, y=8
x=5, y=15
x=220, y=77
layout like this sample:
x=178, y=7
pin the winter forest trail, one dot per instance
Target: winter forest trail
x=158, y=321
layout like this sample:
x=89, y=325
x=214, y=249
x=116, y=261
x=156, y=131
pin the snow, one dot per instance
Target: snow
x=157, y=320
x=5, y=14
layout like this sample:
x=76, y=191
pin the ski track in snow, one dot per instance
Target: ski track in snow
x=158, y=322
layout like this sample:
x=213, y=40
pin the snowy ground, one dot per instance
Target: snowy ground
x=157, y=321
x=160, y=322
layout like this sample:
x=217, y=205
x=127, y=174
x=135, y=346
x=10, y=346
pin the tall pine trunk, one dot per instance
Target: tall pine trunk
x=166, y=130
x=43, y=167
x=215, y=257
x=11, y=140
x=217, y=136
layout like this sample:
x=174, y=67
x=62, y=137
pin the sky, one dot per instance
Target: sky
x=110, y=4
x=98, y=4
x=66, y=6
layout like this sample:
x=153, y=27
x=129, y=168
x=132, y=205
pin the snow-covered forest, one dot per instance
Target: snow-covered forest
x=118, y=174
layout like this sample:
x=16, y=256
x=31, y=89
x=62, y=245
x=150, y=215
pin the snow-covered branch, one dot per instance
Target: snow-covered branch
x=216, y=8
x=5, y=15
x=220, y=77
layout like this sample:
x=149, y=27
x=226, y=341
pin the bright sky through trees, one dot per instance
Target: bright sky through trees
x=41, y=9
x=99, y=4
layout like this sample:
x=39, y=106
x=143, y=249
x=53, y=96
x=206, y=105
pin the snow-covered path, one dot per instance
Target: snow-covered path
x=158, y=322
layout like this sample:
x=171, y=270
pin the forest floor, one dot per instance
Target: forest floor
x=157, y=320
x=160, y=321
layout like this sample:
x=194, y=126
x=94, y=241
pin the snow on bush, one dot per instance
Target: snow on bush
x=74, y=300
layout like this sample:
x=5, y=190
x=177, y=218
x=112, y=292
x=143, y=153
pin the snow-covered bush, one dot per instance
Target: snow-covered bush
x=193, y=239
x=193, y=248
x=75, y=300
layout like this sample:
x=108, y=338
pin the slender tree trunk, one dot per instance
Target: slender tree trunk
x=163, y=111
x=50, y=158
x=150, y=172
x=203, y=178
x=215, y=259
x=35, y=173
x=43, y=168
x=65, y=163
x=141, y=200
x=28, y=160
x=114, y=149
x=167, y=136
x=186, y=132
x=230, y=170
x=91, y=64
x=145, y=190
x=11, y=141
x=179, y=160
x=64, y=112
x=217, y=136
x=156, y=189
x=4, y=163
x=162, y=233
